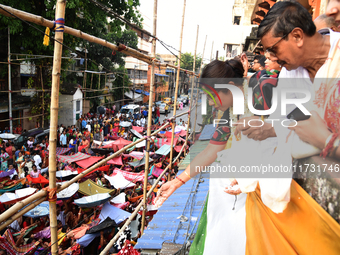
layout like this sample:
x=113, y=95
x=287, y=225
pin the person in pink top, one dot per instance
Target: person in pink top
x=35, y=173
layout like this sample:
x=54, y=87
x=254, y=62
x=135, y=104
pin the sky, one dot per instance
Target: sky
x=212, y=16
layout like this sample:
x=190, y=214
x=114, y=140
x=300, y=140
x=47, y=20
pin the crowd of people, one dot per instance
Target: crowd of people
x=93, y=138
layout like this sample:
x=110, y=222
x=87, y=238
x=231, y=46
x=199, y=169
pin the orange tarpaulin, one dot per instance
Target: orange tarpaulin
x=42, y=180
x=304, y=227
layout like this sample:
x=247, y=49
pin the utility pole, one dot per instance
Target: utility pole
x=9, y=83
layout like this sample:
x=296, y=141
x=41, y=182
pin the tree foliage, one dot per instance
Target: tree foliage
x=187, y=61
x=79, y=14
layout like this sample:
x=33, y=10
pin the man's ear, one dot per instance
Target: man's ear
x=297, y=35
x=232, y=83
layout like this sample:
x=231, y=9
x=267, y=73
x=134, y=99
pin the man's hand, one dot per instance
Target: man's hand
x=245, y=63
x=256, y=131
x=313, y=131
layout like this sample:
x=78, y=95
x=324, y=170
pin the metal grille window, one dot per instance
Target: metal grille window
x=77, y=106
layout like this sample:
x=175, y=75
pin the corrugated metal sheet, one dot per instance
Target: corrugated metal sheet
x=194, y=150
x=188, y=201
x=207, y=132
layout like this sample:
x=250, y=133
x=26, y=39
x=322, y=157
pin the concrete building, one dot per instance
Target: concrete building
x=261, y=7
x=70, y=104
x=137, y=70
x=241, y=28
x=168, y=58
x=242, y=11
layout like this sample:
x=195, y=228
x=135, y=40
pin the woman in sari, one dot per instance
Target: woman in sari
x=225, y=218
x=19, y=161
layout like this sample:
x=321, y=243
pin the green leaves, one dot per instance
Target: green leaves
x=82, y=15
x=187, y=61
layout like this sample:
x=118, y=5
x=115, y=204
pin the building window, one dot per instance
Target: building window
x=237, y=20
x=77, y=106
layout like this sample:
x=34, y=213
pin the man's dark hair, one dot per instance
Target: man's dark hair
x=283, y=17
x=258, y=57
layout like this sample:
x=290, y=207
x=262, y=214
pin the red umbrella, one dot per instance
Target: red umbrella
x=120, y=143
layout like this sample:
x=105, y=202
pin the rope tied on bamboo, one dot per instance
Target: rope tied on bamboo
x=121, y=47
x=61, y=23
x=51, y=194
x=149, y=138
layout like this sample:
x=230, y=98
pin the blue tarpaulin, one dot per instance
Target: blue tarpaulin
x=163, y=75
x=142, y=92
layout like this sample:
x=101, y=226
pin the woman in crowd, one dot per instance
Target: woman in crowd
x=4, y=159
x=19, y=162
x=225, y=218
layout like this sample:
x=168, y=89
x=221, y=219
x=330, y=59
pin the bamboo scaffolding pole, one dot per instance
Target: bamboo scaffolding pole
x=42, y=99
x=9, y=83
x=42, y=193
x=52, y=165
x=176, y=88
x=256, y=46
x=21, y=213
x=199, y=73
x=192, y=89
x=77, y=33
x=212, y=47
x=115, y=238
x=24, y=90
x=152, y=84
x=23, y=117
